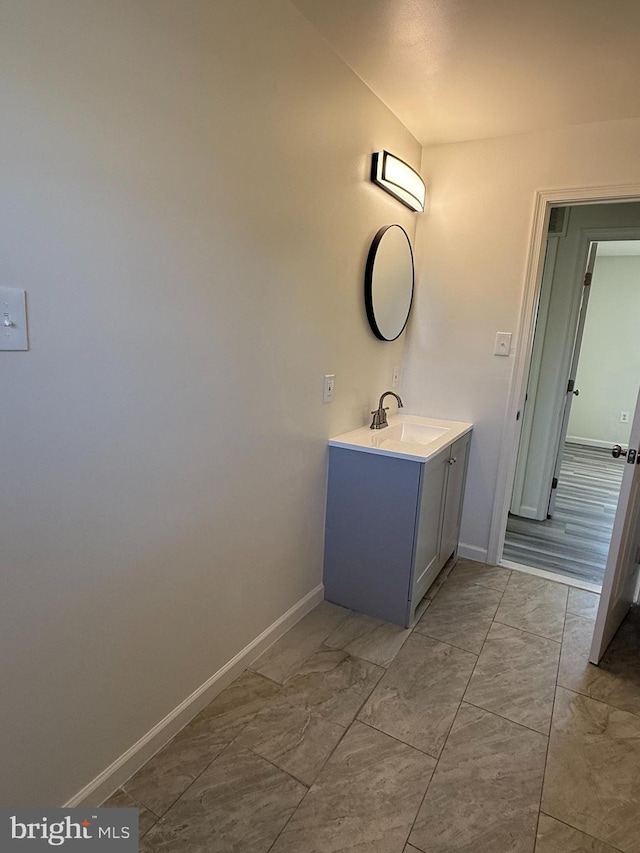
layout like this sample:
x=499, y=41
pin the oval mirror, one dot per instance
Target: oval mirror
x=388, y=282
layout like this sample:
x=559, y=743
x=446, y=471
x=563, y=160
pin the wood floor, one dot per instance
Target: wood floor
x=575, y=542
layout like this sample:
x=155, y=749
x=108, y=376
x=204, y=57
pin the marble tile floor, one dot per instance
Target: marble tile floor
x=483, y=729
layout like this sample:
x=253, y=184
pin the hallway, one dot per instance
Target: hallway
x=483, y=729
x=575, y=542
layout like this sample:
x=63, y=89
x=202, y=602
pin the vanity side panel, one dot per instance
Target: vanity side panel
x=370, y=528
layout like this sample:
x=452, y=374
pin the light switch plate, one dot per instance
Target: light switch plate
x=503, y=343
x=13, y=319
x=329, y=382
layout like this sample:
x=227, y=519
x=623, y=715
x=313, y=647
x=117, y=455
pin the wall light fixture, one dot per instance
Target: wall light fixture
x=398, y=179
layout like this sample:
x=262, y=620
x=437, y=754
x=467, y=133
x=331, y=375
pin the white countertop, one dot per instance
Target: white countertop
x=410, y=437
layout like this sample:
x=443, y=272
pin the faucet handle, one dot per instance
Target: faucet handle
x=379, y=418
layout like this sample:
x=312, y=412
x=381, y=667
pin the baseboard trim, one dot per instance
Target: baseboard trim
x=472, y=552
x=591, y=442
x=110, y=779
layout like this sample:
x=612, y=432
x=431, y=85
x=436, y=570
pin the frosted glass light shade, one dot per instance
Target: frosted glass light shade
x=398, y=179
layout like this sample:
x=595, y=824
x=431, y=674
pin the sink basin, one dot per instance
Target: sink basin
x=407, y=437
x=411, y=433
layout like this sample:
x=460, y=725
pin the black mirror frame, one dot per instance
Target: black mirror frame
x=368, y=282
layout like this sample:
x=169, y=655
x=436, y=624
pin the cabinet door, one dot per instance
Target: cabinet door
x=426, y=564
x=457, y=465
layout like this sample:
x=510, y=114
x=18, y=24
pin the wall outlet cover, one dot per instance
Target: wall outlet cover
x=502, y=345
x=329, y=383
x=13, y=319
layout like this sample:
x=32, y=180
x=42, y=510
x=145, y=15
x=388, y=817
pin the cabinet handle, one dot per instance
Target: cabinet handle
x=452, y=460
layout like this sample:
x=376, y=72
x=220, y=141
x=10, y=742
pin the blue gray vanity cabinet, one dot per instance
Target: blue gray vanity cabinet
x=391, y=525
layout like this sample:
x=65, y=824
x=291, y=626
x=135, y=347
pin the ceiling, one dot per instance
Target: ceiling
x=455, y=70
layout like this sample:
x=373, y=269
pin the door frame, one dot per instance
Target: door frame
x=544, y=200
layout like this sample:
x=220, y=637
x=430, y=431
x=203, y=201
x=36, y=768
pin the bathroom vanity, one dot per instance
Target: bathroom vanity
x=393, y=513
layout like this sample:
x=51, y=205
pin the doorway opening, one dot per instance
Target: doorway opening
x=582, y=386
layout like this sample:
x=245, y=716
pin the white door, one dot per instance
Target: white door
x=621, y=574
x=573, y=371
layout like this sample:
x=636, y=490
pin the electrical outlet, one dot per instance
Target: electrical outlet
x=329, y=382
x=502, y=345
x=13, y=319
x=395, y=377
x=624, y=417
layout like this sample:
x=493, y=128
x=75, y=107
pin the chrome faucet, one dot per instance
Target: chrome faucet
x=380, y=415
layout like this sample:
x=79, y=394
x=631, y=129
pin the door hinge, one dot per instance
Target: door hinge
x=554, y=483
x=587, y=278
x=570, y=386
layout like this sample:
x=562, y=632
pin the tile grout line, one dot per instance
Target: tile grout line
x=369, y=725
x=330, y=755
x=483, y=586
x=494, y=621
x=578, y=692
x=422, y=801
x=359, y=657
x=492, y=713
x=222, y=752
x=309, y=787
x=225, y=748
x=437, y=760
x=586, y=834
x=190, y=785
x=553, y=710
x=280, y=769
x=328, y=758
x=507, y=719
x=524, y=630
x=139, y=805
x=537, y=833
x=444, y=745
x=447, y=643
x=548, y=736
x=345, y=728
x=397, y=739
x=273, y=764
x=540, y=809
x=599, y=701
x=484, y=643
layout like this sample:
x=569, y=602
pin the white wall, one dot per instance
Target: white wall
x=184, y=196
x=609, y=366
x=473, y=249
